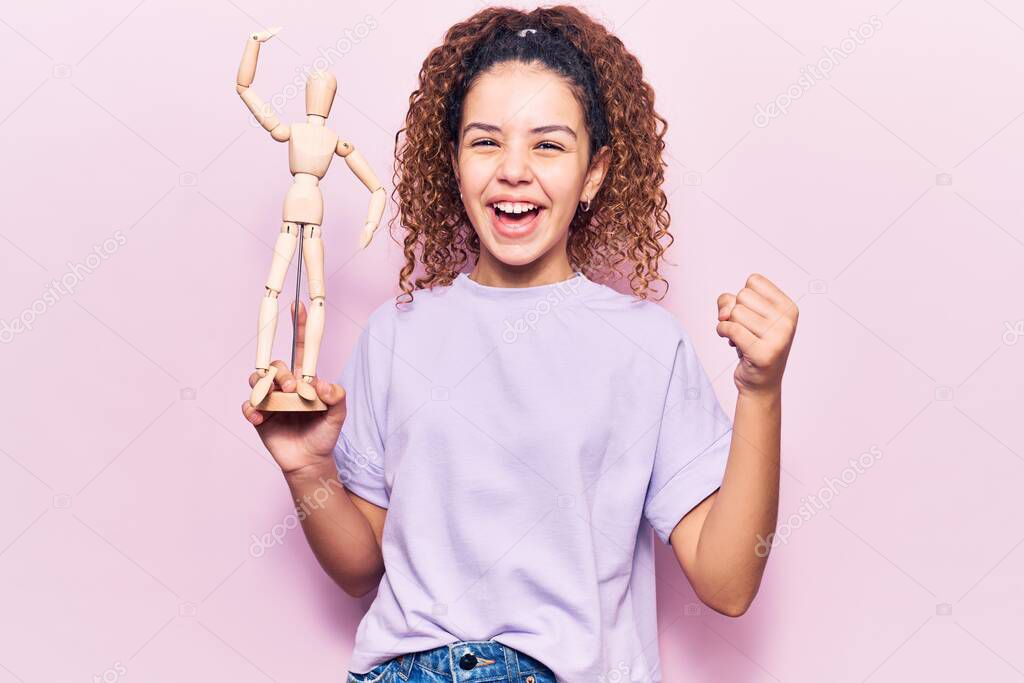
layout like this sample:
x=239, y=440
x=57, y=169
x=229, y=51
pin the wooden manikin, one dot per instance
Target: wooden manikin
x=311, y=147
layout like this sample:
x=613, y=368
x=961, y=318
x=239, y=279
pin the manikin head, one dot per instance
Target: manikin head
x=320, y=89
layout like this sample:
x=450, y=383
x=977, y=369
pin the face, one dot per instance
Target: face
x=524, y=141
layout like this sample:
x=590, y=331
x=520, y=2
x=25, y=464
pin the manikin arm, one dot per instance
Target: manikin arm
x=246, y=73
x=359, y=166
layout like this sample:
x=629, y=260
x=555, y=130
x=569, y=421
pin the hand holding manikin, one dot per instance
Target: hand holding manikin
x=299, y=441
x=311, y=147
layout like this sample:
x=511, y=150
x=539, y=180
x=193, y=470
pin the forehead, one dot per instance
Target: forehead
x=518, y=97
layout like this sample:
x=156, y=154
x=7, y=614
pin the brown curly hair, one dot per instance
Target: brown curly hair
x=629, y=216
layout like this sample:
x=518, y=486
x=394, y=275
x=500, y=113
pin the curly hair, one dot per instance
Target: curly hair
x=629, y=216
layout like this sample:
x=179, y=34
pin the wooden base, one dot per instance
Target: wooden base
x=289, y=401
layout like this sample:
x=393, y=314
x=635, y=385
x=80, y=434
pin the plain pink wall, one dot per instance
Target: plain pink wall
x=886, y=200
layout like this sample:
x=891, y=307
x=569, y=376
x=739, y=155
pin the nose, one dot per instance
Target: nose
x=515, y=167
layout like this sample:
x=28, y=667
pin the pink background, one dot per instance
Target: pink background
x=886, y=201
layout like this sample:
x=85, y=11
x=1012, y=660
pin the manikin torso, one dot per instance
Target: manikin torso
x=311, y=147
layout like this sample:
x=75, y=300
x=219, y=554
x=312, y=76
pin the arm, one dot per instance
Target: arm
x=246, y=73
x=717, y=543
x=358, y=165
x=724, y=542
x=343, y=531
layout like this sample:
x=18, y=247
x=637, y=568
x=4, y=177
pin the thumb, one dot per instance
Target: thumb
x=334, y=396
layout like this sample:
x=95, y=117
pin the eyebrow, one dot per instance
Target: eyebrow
x=539, y=130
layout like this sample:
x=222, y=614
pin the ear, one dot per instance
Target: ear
x=596, y=173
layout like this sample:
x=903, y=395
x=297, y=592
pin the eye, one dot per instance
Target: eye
x=549, y=145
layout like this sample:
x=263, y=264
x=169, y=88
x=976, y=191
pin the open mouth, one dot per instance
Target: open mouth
x=514, y=219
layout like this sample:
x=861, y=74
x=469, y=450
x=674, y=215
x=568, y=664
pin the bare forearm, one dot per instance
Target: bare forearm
x=732, y=552
x=338, y=533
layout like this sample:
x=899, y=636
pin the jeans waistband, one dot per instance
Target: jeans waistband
x=472, y=660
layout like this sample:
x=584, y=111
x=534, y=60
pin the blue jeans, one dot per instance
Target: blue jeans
x=463, y=661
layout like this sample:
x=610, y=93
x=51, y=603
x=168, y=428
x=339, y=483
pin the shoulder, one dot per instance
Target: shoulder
x=390, y=315
x=646, y=319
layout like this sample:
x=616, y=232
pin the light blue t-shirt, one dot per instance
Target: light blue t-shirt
x=526, y=441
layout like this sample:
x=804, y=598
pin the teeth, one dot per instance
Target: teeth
x=515, y=207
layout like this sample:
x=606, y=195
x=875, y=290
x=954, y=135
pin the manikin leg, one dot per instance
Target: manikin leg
x=267, y=324
x=313, y=255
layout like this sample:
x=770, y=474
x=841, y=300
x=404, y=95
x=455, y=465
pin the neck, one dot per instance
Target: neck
x=315, y=120
x=546, y=270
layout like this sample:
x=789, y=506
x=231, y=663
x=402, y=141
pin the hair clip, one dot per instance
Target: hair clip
x=522, y=34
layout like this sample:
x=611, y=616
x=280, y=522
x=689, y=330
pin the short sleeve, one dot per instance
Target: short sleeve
x=359, y=452
x=693, y=443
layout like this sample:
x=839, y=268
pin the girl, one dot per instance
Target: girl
x=511, y=439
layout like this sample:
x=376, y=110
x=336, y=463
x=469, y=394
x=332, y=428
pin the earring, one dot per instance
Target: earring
x=587, y=207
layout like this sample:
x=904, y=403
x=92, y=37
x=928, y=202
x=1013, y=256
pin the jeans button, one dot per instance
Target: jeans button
x=467, y=661
x=530, y=679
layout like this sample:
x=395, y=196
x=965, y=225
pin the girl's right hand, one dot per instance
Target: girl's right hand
x=299, y=440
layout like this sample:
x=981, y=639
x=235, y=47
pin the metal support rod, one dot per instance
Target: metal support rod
x=295, y=312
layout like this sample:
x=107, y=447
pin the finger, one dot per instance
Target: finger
x=334, y=396
x=743, y=338
x=255, y=377
x=300, y=334
x=756, y=302
x=755, y=322
x=766, y=288
x=725, y=303
x=255, y=417
x=285, y=380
